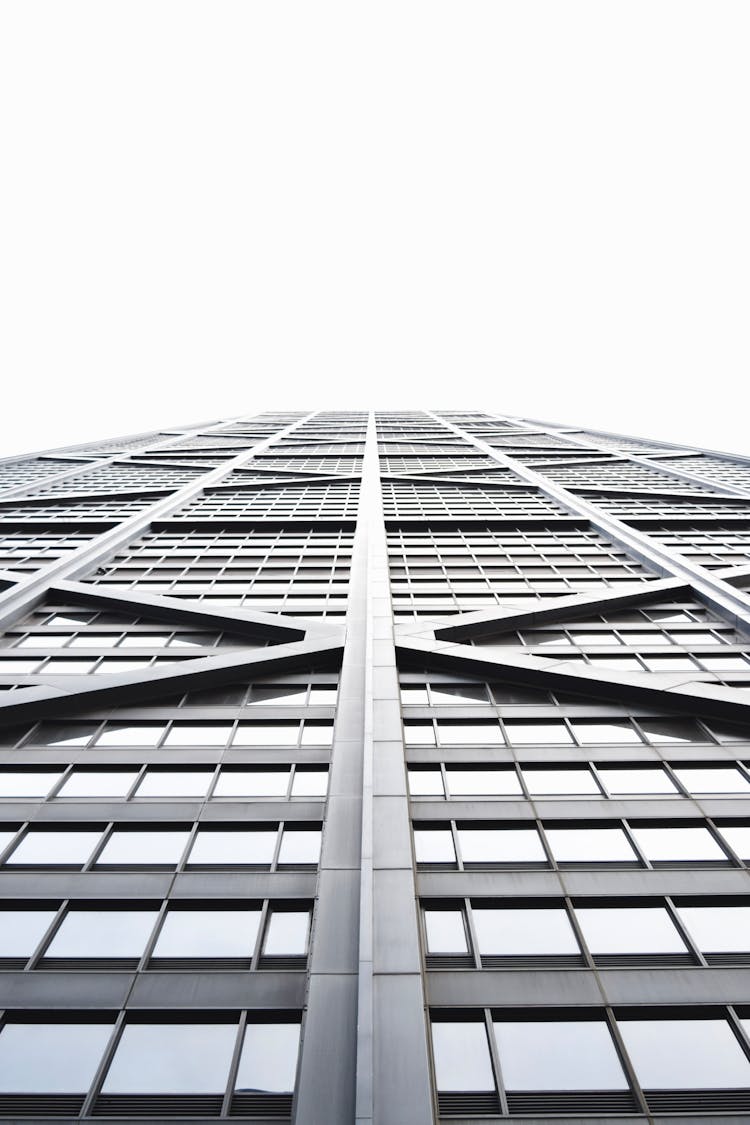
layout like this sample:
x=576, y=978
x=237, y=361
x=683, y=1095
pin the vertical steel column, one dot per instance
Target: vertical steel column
x=393, y=1072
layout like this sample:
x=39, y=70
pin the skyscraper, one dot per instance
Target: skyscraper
x=386, y=768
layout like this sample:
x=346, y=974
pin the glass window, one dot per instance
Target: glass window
x=310, y=783
x=268, y=1062
x=22, y=930
x=671, y=730
x=286, y=933
x=55, y=848
x=622, y=779
x=266, y=734
x=433, y=845
x=414, y=695
x=718, y=929
x=419, y=734
x=462, y=1057
x=615, y=731
x=669, y=663
x=445, y=931
x=738, y=838
x=208, y=933
x=284, y=694
x=501, y=845
x=514, y=933
x=144, y=848
x=300, y=847
x=546, y=783
x=64, y=734
x=523, y=734
x=685, y=1054
x=719, y=779
x=629, y=929
x=461, y=734
x=28, y=783
x=98, y=783
x=197, y=734
x=172, y=1058
x=425, y=782
x=124, y=734
x=252, y=783
x=233, y=847
x=458, y=694
x=102, y=933
x=493, y=782
x=676, y=844
x=576, y=1055
x=590, y=845
x=50, y=1058
x=317, y=734
x=174, y=783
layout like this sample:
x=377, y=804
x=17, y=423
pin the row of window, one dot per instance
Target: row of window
x=306, y=732
x=143, y=638
x=527, y=931
x=582, y=637
x=25, y=553
x=184, y=931
x=602, y=779
x=566, y=732
x=534, y=1053
x=262, y=846
x=165, y=782
x=630, y=843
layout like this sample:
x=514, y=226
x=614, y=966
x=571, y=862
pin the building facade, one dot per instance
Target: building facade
x=375, y=768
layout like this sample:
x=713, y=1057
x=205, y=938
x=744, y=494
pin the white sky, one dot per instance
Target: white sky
x=527, y=206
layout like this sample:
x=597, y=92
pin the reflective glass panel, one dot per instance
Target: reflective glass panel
x=623, y=780
x=738, y=838
x=174, y=783
x=629, y=930
x=495, y=845
x=461, y=734
x=523, y=734
x=462, y=1057
x=266, y=734
x=31, y=784
x=672, y=730
x=63, y=734
x=300, y=847
x=22, y=930
x=286, y=933
x=55, y=848
x=268, y=1062
x=102, y=933
x=685, y=1054
x=545, y=783
x=479, y=782
x=558, y=1056
x=252, y=783
x=720, y=779
x=592, y=734
x=590, y=845
x=144, y=848
x=511, y=933
x=425, y=783
x=189, y=734
x=208, y=933
x=98, y=783
x=445, y=931
x=231, y=847
x=433, y=845
x=718, y=929
x=310, y=783
x=122, y=734
x=50, y=1058
x=172, y=1059
x=677, y=844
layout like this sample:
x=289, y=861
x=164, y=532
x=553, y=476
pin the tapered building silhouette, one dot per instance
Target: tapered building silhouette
x=375, y=768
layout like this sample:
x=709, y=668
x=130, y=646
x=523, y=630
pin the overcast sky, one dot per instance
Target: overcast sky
x=533, y=207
